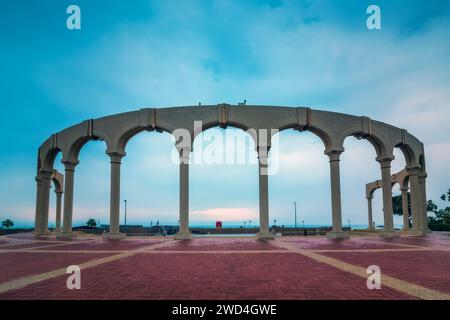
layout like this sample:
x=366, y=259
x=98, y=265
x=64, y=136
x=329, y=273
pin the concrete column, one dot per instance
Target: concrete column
x=415, y=198
x=43, y=182
x=370, y=215
x=114, y=198
x=38, y=213
x=184, y=233
x=58, y=212
x=336, y=208
x=69, y=173
x=386, y=182
x=263, y=167
x=405, y=209
x=423, y=202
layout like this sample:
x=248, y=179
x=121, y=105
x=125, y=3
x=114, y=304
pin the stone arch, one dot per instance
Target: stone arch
x=246, y=130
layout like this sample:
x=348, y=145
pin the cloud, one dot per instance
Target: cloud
x=310, y=53
x=225, y=214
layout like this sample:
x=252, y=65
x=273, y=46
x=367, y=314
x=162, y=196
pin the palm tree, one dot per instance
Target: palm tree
x=91, y=223
x=7, y=223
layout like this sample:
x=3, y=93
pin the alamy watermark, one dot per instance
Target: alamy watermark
x=228, y=148
x=374, y=20
x=374, y=280
x=73, y=21
x=74, y=280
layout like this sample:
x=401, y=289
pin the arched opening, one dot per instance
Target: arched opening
x=91, y=185
x=224, y=179
x=398, y=164
x=150, y=181
x=359, y=167
x=302, y=176
x=53, y=198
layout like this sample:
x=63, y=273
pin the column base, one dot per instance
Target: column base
x=66, y=235
x=56, y=233
x=114, y=235
x=265, y=236
x=414, y=232
x=390, y=234
x=45, y=233
x=182, y=236
x=338, y=235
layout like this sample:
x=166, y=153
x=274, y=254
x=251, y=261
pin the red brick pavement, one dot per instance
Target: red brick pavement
x=314, y=243
x=23, y=245
x=231, y=274
x=101, y=244
x=210, y=276
x=212, y=244
x=427, y=268
x=15, y=265
x=430, y=240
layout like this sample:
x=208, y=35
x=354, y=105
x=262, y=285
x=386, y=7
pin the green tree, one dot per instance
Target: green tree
x=397, y=206
x=91, y=223
x=7, y=223
x=441, y=216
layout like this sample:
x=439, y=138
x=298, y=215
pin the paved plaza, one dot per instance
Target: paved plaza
x=225, y=268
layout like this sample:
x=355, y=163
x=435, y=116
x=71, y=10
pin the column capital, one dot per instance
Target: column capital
x=59, y=193
x=69, y=165
x=422, y=178
x=116, y=157
x=413, y=170
x=334, y=154
x=369, y=197
x=42, y=181
x=385, y=161
x=43, y=175
x=404, y=189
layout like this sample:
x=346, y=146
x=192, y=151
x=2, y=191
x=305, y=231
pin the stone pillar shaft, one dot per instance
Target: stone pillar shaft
x=423, y=202
x=184, y=193
x=58, y=212
x=38, y=214
x=370, y=215
x=335, y=179
x=43, y=183
x=405, y=209
x=114, y=200
x=415, y=201
x=387, y=194
x=263, y=158
x=183, y=232
x=69, y=170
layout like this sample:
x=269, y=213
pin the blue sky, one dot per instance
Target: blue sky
x=166, y=53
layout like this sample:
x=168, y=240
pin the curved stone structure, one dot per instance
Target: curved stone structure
x=332, y=128
x=419, y=217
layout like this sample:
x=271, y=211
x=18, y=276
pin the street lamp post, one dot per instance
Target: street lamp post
x=125, y=201
x=295, y=214
x=349, y=225
x=303, y=223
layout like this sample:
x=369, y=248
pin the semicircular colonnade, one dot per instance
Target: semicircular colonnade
x=262, y=122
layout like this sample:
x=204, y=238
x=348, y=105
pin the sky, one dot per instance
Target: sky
x=130, y=55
